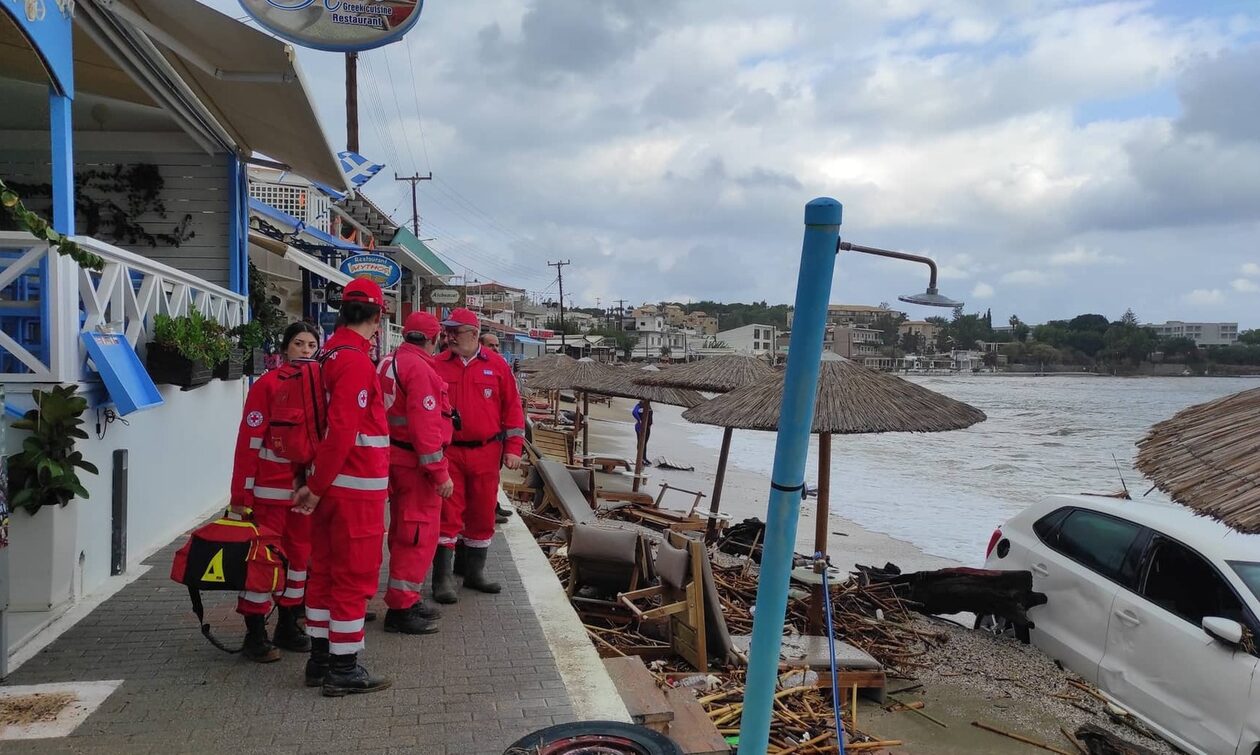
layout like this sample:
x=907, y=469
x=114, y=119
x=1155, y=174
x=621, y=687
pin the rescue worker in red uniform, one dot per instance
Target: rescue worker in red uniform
x=262, y=482
x=418, y=412
x=345, y=494
x=490, y=434
x=491, y=341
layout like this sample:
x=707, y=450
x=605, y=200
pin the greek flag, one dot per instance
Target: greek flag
x=358, y=169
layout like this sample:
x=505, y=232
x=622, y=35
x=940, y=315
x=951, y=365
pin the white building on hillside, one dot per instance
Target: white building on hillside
x=1202, y=333
x=757, y=340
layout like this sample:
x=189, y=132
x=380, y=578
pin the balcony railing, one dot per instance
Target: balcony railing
x=47, y=301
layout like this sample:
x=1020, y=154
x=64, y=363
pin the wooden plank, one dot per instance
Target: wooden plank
x=644, y=700
x=691, y=728
x=863, y=679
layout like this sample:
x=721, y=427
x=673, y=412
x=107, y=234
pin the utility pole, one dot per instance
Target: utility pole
x=415, y=210
x=352, y=101
x=559, y=266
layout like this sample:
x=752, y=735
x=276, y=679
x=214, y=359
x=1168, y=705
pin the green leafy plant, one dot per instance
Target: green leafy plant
x=263, y=308
x=194, y=336
x=248, y=335
x=40, y=228
x=45, y=472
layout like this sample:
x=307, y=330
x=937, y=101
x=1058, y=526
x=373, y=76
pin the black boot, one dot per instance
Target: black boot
x=501, y=514
x=317, y=664
x=408, y=621
x=443, y=577
x=475, y=571
x=426, y=611
x=460, y=549
x=347, y=677
x=257, y=647
x=289, y=634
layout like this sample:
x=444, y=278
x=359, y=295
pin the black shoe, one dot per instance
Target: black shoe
x=443, y=576
x=317, y=664
x=347, y=677
x=460, y=549
x=257, y=647
x=289, y=634
x=407, y=621
x=499, y=511
x=426, y=611
x=369, y=616
x=474, y=571
x=500, y=518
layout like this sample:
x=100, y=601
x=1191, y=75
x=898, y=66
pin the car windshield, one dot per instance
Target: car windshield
x=1250, y=573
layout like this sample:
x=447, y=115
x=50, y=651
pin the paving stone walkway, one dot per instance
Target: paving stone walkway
x=487, y=678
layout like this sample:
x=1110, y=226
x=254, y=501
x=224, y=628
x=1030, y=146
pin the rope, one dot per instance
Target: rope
x=831, y=648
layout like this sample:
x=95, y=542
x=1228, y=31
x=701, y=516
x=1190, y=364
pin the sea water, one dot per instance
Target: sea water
x=945, y=492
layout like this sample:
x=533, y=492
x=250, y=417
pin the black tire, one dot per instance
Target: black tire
x=1000, y=627
x=556, y=740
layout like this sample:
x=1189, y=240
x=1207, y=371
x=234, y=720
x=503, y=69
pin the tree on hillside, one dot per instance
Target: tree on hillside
x=1019, y=330
x=1095, y=323
x=888, y=325
x=1179, y=347
x=1249, y=337
x=570, y=327
x=1129, y=318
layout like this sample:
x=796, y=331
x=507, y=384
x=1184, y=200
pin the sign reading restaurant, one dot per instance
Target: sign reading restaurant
x=381, y=269
x=336, y=25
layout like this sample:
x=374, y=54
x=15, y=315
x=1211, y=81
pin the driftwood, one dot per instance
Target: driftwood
x=1007, y=594
x=1099, y=741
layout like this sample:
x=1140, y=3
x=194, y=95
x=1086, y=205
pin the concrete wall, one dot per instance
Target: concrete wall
x=180, y=466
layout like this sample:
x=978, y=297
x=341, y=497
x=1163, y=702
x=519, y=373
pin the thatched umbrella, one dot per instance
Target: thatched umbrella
x=851, y=399
x=1207, y=457
x=717, y=375
x=568, y=375
x=546, y=362
x=620, y=382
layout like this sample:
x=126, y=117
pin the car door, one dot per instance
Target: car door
x=1161, y=663
x=1085, y=556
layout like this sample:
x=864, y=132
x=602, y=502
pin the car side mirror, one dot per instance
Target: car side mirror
x=1227, y=631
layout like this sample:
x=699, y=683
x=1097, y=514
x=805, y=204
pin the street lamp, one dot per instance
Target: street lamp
x=787, y=481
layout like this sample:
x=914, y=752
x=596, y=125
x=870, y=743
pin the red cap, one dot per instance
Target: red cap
x=422, y=322
x=462, y=316
x=364, y=290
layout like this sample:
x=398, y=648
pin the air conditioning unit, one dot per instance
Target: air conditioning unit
x=318, y=296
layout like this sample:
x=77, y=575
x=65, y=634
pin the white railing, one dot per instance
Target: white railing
x=125, y=297
x=392, y=337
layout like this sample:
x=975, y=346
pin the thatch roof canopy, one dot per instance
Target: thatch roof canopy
x=565, y=376
x=1207, y=457
x=545, y=362
x=620, y=382
x=715, y=375
x=851, y=399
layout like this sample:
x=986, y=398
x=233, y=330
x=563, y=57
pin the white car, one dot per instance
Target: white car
x=1154, y=604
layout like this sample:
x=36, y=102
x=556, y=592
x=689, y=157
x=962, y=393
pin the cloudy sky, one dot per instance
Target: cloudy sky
x=1054, y=157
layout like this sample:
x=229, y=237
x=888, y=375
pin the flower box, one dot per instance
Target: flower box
x=231, y=368
x=255, y=362
x=165, y=365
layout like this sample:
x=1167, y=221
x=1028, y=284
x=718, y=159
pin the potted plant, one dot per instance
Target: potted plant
x=185, y=349
x=250, y=339
x=43, y=477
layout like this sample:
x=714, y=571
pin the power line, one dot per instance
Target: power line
x=415, y=210
x=424, y=143
x=559, y=266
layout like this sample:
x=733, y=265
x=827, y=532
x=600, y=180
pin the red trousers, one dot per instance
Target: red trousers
x=415, y=511
x=295, y=539
x=468, y=514
x=345, y=568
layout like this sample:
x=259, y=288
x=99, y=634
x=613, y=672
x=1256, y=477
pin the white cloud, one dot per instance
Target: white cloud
x=1204, y=296
x=1080, y=256
x=1026, y=277
x=1251, y=268
x=1245, y=286
x=982, y=291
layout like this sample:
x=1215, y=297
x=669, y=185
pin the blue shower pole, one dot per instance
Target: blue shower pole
x=787, y=481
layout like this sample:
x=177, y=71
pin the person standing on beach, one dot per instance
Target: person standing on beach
x=490, y=435
x=419, y=415
x=644, y=428
x=345, y=495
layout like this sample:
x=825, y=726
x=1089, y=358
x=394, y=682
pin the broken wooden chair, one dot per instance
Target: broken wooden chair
x=561, y=446
x=603, y=563
x=650, y=512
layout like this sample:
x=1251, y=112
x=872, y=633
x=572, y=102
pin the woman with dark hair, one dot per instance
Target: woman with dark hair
x=263, y=483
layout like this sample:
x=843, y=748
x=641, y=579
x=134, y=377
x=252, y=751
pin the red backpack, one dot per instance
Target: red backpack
x=299, y=409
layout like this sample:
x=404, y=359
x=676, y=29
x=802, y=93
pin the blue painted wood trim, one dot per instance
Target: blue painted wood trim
x=62, y=134
x=237, y=269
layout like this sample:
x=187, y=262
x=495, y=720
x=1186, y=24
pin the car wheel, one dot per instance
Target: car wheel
x=602, y=737
x=1001, y=627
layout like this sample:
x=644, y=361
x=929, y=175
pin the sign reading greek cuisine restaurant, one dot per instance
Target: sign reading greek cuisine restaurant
x=336, y=25
x=383, y=271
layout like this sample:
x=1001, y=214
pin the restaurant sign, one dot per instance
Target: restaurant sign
x=380, y=269
x=336, y=25
x=444, y=296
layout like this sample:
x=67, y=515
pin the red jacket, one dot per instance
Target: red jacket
x=352, y=461
x=259, y=477
x=484, y=393
x=418, y=411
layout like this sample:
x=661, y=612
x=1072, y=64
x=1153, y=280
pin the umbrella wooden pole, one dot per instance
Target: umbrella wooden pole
x=821, y=515
x=586, y=424
x=710, y=530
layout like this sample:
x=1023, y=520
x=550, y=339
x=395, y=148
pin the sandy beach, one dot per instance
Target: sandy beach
x=744, y=493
